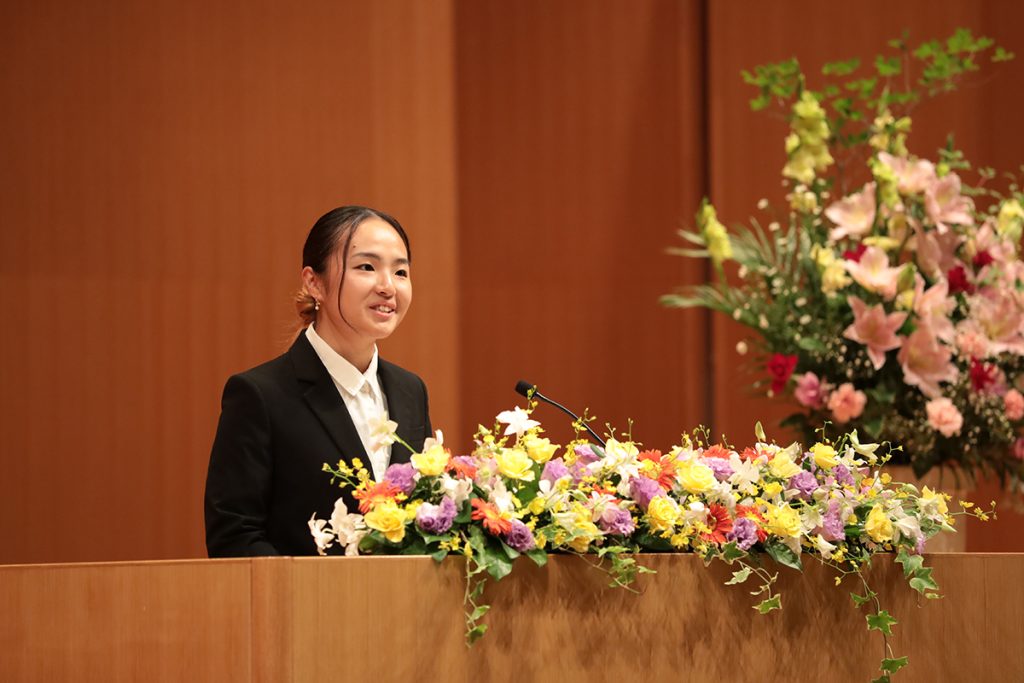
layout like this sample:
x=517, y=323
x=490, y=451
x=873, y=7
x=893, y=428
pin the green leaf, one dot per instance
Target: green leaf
x=759, y=432
x=840, y=68
x=739, y=577
x=440, y=555
x=538, y=555
x=883, y=621
x=911, y=563
x=873, y=427
x=1001, y=55
x=511, y=552
x=479, y=612
x=766, y=606
x=887, y=67
x=884, y=678
x=810, y=344
x=496, y=562
x=891, y=666
x=783, y=555
x=731, y=552
x=474, y=634
x=860, y=600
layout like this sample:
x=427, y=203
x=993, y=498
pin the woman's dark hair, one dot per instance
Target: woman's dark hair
x=335, y=228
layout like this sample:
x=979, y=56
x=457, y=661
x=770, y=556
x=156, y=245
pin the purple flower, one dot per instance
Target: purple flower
x=832, y=526
x=804, y=482
x=843, y=475
x=402, y=475
x=744, y=532
x=554, y=470
x=643, y=489
x=520, y=537
x=436, y=519
x=585, y=454
x=720, y=466
x=615, y=520
x=578, y=470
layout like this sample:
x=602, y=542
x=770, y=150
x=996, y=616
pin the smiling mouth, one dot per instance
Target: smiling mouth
x=383, y=308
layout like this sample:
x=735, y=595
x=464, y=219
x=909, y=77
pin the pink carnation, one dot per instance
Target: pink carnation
x=1013, y=403
x=811, y=391
x=944, y=417
x=846, y=403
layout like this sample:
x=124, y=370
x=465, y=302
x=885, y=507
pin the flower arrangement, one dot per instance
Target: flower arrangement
x=889, y=299
x=519, y=494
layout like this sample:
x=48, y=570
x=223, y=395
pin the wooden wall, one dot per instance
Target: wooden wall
x=163, y=161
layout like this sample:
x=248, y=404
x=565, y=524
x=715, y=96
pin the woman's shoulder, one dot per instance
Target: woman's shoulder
x=398, y=373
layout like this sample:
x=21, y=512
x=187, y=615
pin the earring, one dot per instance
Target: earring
x=316, y=305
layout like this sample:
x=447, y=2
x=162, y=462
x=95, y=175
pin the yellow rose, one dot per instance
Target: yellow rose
x=824, y=456
x=662, y=513
x=514, y=463
x=540, y=450
x=782, y=466
x=783, y=520
x=431, y=462
x=695, y=477
x=389, y=519
x=878, y=526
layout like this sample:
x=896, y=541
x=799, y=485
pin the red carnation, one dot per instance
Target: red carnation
x=855, y=253
x=781, y=367
x=958, y=281
x=982, y=259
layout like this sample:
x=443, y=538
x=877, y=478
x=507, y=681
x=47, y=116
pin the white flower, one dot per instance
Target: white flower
x=824, y=547
x=382, y=432
x=744, y=474
x=501, y=497
x=323, y=539
x=518, y=421
x=431, y=441
x=456, y=489
x=349, y=528
x=907, y=526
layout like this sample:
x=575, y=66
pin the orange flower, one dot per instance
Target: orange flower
x=719, y=522
x=749, y=454
x=462, y=468
x=494, y=523
x=375, y=494
x=716, y=451
x=664, y=470
x=754, y=514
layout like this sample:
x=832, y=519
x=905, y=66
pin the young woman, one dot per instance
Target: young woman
x=281, y=421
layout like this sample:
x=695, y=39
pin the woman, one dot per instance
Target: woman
x=281, y=421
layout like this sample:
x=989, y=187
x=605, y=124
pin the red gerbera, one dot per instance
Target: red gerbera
x=719, y=522
x=486, y=512
x=717, y=451
x=749, y=454
x=375, y=494
x=754, y=514
x=664, y=468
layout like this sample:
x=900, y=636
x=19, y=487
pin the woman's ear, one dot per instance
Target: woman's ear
x=312, y=283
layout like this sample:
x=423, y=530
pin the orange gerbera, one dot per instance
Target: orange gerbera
x=718, y=522
x=486, y=512
x=664, y=470
x=375, y=494
x=754, y=514
x=749, y=454
x=462, y=468
x=716, y=451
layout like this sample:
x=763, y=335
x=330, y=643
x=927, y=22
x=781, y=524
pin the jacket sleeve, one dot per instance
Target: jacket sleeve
x=238, y=482
x=428, y=431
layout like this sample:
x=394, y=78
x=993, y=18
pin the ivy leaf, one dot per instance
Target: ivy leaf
x=860, y=600
x=479, y=612
x=739, y=577
x=538, y=555
x=882, y=621
x=474, y=634
x=731, y=552
x=766, y=606
x=884, y=678
x=495, y=561
x=440, y=555
x=891, y=666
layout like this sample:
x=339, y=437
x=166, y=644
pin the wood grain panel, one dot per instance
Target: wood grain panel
x=746, y=152
x=579, y=155
x=163, y=163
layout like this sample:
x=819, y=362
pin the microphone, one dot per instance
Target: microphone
x=524, y=388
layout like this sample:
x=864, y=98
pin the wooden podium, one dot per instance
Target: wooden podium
x=279, y=620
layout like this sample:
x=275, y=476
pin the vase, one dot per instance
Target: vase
x=938, y=479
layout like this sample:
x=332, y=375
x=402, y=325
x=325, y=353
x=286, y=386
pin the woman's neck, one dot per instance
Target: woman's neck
x=357, y=352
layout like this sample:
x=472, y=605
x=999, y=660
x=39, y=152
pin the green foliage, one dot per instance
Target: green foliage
x=783, y=555
x=739, y=576
x=891, y=666
x=772, y=603
x=881, y=621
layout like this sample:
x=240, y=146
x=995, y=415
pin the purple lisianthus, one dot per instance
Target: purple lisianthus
x=643, y=489
x=554, y=470
x=578, y=470
x=720, y=466
x=744, y=532
x=832, y=527
x=843, y=475
x=804, y=482
x=615, y=520
x=585, y=454
x=436, y=519
x=402, y=475
x=519, y=537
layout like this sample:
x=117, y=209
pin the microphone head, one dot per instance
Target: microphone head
x=523, y=388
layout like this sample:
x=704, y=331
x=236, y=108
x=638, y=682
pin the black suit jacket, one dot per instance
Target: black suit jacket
x=279, y=423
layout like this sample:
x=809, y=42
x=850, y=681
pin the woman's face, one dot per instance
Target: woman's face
x=376, y=290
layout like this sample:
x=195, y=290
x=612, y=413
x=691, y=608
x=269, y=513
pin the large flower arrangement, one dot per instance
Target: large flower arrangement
x=890, y=297
x=519, y=494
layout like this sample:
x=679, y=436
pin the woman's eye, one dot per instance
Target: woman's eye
x=402, y=273
x=365, y=266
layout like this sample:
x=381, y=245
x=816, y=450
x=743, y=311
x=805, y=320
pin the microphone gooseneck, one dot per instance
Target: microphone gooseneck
x=524, y=388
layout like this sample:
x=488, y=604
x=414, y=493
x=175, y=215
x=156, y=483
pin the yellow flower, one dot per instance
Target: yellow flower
x=824, y=456
x=580, y=544
x=1010, y=220
x=878, y=525
x=773, y=489
x=716, y=237
x=389, y=519
x=783, y=520
x=936, y=499
x=431, y=462
x=662, y=513
x=803, y=201
x=514, y=463
x=540, y=450
x=834, y=278
x=695, y=477
x=782, y=466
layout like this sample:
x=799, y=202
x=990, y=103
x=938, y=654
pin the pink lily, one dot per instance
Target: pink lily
x=926, y=362
x=873, y=273
x=853, y=215
x=876, y=330
x=945, y=205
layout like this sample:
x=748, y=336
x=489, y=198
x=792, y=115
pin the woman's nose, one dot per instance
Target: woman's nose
x=385, y=285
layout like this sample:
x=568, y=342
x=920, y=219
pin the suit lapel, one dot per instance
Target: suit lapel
x=401, y=409
x=323, y=399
